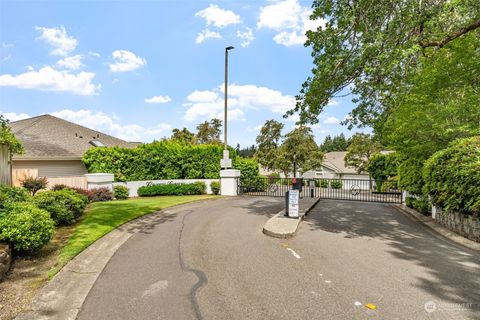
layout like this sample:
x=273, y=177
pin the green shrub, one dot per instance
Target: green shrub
x=336, y=184
x=274, y=177
x=64, y=206
x=422, y=205
x=26, y=227
x=201, y=186
x=10, y=195
x=248, y=167
x=34, y=184
x=158, y=160
x=410, y=175
x=215, y=186
x=120, y=192
x=170, y=189
x=409, y=201
x=452, y=177
x=323, y=183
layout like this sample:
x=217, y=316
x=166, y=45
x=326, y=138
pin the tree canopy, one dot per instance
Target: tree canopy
x=376, y=49
x=279, y=152
x=209, y=132
x=337, y=143
x=361, y=148
x=7, y=137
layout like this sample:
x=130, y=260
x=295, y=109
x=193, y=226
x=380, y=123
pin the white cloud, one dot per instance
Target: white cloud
x=71, y=63
x=331, y=120
x=49, y=79
x=109, y=124
x=158, y=99
x=210, y=104
x=246, y=36
x=13, y=116
x=59, y=39
x=207, y=34
x=290, y=20
x=218, y=17
x=332, y=103
x=126, y=61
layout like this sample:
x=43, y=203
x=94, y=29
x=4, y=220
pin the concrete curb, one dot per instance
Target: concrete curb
x=283, y=227
x=435, y=226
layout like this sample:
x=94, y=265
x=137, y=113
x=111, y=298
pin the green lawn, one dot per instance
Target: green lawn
x=103, y=217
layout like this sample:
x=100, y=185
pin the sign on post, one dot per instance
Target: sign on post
x=293, y=203
x=226, y=163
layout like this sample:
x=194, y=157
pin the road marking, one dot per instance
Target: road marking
x=371, y=306
x=320, y=274
x=296, y=255
x=328, y=281
x=285, y=245
x=358, y=304
x=155, y=288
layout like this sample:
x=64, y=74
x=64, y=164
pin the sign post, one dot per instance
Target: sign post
x=293, y=203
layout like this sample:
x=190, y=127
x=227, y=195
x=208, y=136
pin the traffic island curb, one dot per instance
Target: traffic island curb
x=437, y=228
x=282, y=227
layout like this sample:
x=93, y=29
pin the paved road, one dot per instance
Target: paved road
x=210, y=261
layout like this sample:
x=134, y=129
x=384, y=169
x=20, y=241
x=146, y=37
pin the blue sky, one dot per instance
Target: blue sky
x=138, y=69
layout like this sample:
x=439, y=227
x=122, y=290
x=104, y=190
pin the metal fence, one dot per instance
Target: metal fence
x=338, y=189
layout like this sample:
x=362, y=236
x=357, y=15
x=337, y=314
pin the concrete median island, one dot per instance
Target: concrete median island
x=283, y=227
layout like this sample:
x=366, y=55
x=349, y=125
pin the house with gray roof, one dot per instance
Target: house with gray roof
x=54, y=147
x=333, y=167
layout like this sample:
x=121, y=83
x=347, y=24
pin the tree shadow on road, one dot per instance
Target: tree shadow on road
x=454, y=270
x=264, y=206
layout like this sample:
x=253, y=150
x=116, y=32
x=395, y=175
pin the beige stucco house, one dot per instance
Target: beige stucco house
x=54, y=147
x=333, y=167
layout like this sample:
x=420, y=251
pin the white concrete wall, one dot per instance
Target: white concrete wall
x=134, y=185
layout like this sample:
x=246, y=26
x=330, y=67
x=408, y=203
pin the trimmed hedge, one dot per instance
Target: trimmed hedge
x=158, y=160
x=26, y=227
x=215, y=186
x=172, y=189
x=120, y=192
x=10, y=195
x=336, y=184
x=452, y=177
x=65, y=206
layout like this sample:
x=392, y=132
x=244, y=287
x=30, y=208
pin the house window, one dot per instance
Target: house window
x=318, y=174
x=96, y=143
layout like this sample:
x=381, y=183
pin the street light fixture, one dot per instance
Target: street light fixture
x=225, y=153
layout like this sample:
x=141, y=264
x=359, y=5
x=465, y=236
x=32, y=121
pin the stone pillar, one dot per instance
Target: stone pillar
x=99, y=180
x=229, y=180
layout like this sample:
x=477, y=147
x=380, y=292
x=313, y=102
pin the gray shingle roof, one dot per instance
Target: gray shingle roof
x=49, y=137
x=335, y=160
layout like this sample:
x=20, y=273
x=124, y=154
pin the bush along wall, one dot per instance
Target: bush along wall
x=452, y=180
x=452, y=177
x=157, y=160
x=172, y=189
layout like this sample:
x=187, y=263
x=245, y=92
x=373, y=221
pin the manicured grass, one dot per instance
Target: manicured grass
x=103, y=217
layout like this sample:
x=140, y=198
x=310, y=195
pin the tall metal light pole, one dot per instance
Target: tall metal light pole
x=226, y=102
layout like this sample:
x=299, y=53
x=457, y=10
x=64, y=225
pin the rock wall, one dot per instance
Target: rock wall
x=5, y=259
x=467, y=226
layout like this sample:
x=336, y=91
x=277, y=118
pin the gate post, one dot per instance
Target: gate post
x=229, y=179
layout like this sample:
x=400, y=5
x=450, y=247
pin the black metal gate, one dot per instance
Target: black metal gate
x=337, y=189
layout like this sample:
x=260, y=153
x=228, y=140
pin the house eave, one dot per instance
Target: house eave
x=29, y=158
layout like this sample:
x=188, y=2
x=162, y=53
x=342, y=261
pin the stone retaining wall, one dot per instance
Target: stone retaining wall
x=5, y=259
x=467, y=226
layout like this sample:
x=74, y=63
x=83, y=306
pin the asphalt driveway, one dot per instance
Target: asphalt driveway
x=210, y=260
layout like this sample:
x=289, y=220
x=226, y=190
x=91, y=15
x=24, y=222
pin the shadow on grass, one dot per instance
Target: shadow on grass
x=454, y=271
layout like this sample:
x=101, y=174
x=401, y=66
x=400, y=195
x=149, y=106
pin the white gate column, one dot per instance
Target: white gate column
x=229, y=180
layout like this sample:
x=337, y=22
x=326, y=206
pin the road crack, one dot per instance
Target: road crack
x=202, y=278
